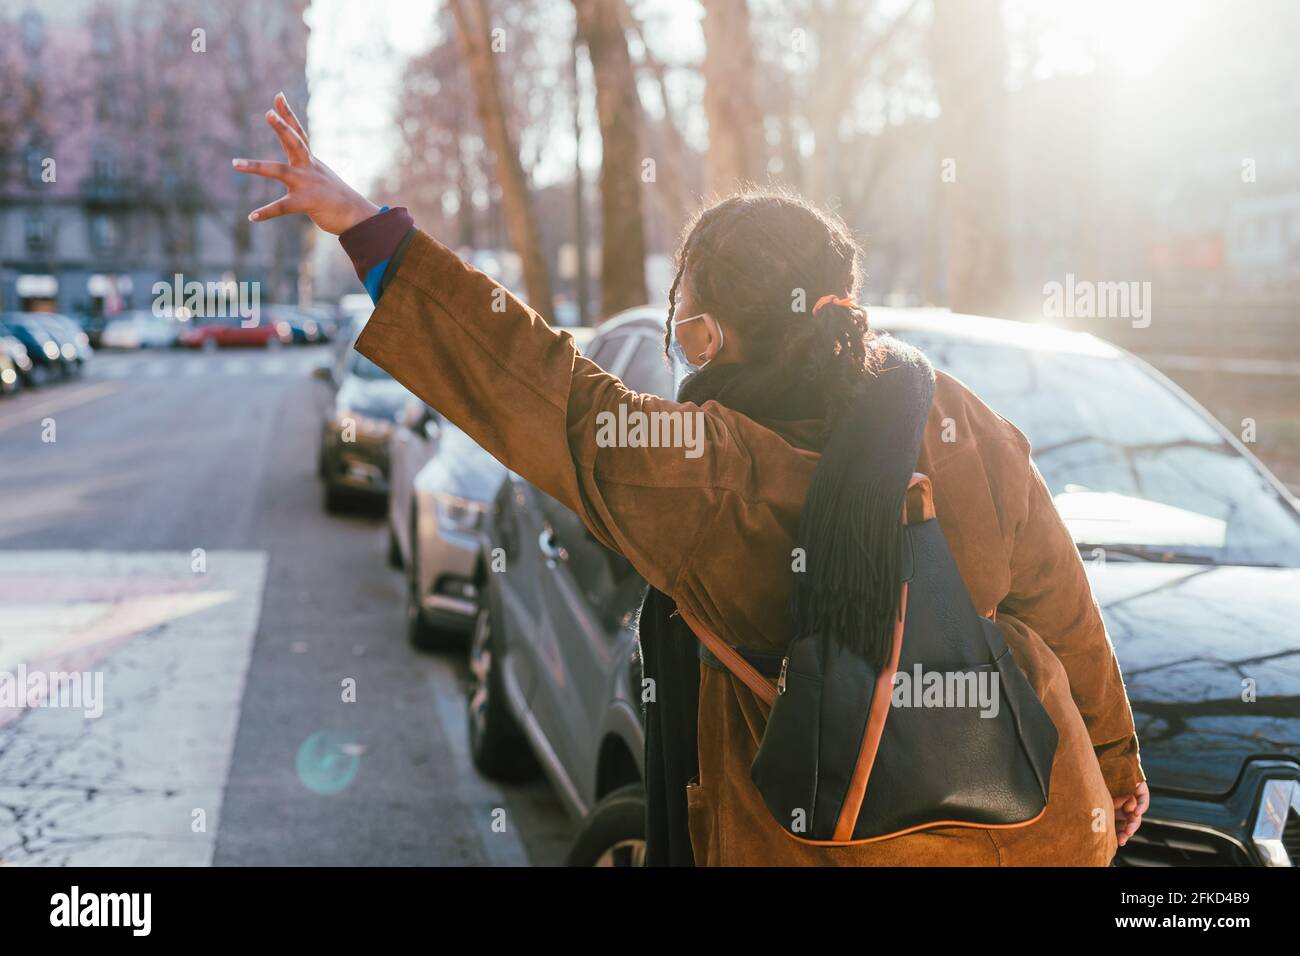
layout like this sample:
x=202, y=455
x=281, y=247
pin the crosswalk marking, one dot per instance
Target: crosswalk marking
x=131, y=366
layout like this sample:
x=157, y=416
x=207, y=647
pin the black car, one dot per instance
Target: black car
x=1192, y=548
x=47, y=356
x=358, y=414
x=73, y=341
x=13, y=355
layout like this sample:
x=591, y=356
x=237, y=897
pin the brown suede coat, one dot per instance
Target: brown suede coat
x=715, y=533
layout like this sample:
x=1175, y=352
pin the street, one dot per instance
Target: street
x=260, y=704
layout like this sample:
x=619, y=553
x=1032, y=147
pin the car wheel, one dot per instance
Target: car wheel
x=496, y=744
x=394, y=552
x=613, y=834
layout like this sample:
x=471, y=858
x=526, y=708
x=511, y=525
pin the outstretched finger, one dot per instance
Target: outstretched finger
x=294, y=147
x=285, y=110
x=258, y=167
x=280, y=207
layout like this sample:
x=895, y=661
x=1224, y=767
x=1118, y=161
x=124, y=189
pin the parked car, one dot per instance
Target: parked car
x=441, y=483
x=44, y=350
x=92, y=323
x=140, y=329
x=74, y=344
x=1192, y=548
x=18, y=359
x=293, y=326
x=358, y=414
x=9, y=379
x=327, y=319
x=231, y=331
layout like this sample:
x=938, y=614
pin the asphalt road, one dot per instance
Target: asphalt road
x=260, y=704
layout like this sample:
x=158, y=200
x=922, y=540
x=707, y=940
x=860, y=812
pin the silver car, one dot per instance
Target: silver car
x=440, y=484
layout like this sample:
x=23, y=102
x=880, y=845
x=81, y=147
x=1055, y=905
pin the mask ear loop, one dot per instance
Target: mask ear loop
x=718, y=325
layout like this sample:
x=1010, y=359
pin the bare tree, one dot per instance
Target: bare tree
x=472, y=30
x=968, y=55
x=736, y=145
x=622, y=269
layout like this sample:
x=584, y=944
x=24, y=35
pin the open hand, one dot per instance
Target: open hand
x=315, y=190
x=1129, y=810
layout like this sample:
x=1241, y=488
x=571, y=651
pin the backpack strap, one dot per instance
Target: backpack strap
x=746, y=672
x=918, y=507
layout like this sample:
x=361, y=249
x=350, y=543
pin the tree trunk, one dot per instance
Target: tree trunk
x=736, y=145
x=472, y=30
x=968, y=55
x=623, y=249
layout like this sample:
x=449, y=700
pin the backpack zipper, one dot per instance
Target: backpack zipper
x=780, y=680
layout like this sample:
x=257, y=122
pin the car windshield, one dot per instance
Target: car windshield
x=1133, y=467
x=362, y=367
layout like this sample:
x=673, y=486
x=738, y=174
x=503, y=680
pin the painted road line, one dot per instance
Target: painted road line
x=172, y=649
x=479, y=797
x=57, y=402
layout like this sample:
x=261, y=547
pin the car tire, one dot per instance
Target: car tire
x=394, y=551
x=613, y=834
x=496, y=743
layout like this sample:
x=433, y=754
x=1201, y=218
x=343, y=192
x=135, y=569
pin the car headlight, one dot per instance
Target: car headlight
x=69, y=351
x=459, y=515
x=83, y=339
x=1279, y=803
x=283, y=329
x=50, y=349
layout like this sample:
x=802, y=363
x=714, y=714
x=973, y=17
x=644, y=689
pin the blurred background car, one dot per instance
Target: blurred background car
x=9, y=379
x=74, y=344
x=1191, y=545
x=15, y=354
x=359, y=411
x=229, y=331
x=92, y=323
x=44, y=350
x=292, y=325
x=140, y=329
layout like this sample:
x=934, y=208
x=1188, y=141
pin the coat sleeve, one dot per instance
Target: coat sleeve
x=464, y=345
x=1050, y=593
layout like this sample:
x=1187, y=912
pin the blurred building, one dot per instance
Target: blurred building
x=117, y=127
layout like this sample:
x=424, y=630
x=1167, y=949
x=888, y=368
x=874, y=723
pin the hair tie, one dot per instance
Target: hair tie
x=848, y=303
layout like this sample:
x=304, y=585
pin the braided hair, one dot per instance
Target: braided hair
x=759, y=261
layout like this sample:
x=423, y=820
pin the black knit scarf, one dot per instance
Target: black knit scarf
x=851, y=533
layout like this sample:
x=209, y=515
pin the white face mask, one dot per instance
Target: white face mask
x=679, y=353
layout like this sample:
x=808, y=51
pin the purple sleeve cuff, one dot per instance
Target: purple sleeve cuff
x=373, y=240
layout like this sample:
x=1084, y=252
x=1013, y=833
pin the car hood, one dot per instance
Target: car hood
x=381, y=397
x=460, y=467
x=1193, y=641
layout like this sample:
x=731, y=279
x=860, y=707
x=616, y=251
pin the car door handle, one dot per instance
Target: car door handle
x=551, y=549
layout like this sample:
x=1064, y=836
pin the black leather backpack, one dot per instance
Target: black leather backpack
x=851, y=754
